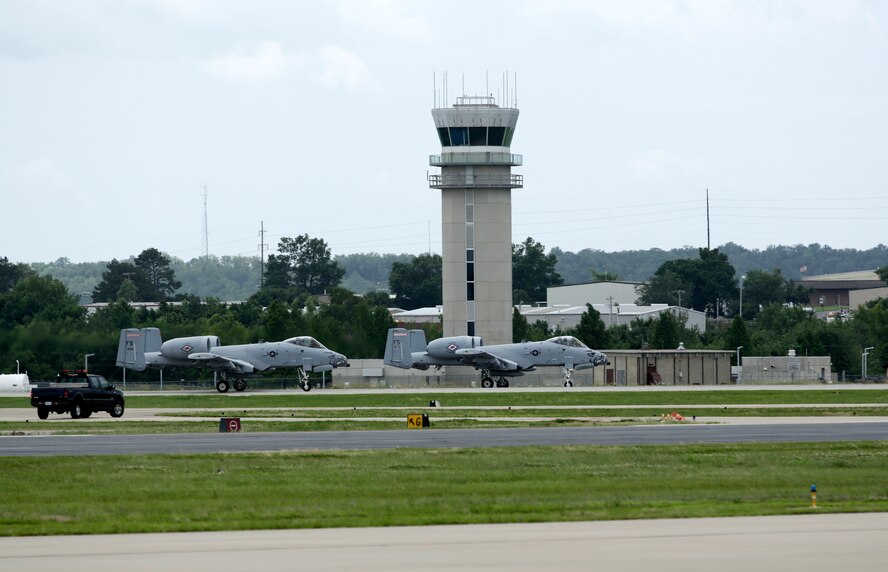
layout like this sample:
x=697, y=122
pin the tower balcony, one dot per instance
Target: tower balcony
x=476, y=158
x=476, y=181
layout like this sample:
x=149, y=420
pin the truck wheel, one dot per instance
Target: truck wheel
x=117, y=409
x=85, y=413
x=76, y=409
x=42, y=412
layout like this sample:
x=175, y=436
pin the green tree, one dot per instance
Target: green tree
x=873, y=319
x=158, y=281
x=762, y=288
x=10, y=273
x=417, y=284
x=737, y=336
x=883, y=273
x=303, y=262
x=705, y=283
x=667, y=331
x=532, y=272
x=39, y=298
x=278, y=323
x=520, y=326
x=112, y=279
x=128, y=291
x=591, y=330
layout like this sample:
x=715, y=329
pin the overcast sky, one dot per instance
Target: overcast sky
x=314, y=117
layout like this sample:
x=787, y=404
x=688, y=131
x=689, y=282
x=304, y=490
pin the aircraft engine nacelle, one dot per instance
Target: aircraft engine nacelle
x=446, y=347
x=181, y=348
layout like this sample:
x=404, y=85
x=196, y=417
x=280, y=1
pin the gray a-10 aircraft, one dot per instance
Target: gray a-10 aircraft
x=408, y=349
x=139, y=349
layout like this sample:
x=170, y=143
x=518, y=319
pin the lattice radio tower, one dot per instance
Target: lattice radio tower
x=205, y=250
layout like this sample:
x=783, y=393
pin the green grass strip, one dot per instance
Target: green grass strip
x=159, y=493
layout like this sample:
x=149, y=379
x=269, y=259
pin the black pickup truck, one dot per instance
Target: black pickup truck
x=78, y=393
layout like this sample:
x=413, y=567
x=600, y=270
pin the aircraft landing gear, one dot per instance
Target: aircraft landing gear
x=222, y=386
x=303, y=377
x=565, y=375
x=240, y=384
x=487, y=381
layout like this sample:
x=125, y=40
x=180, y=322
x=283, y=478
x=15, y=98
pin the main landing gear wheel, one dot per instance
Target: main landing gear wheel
x=240, y=385
x=502, y=382
x=486, y=382
x=222, y=386
x=568, y=384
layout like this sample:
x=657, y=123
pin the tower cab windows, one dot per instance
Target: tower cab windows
x=475, y=136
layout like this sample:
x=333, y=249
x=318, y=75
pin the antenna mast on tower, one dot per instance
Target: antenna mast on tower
x=205, y=251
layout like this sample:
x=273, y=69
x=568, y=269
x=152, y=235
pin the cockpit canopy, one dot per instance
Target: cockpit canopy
x=306, y=342
x=568, y=341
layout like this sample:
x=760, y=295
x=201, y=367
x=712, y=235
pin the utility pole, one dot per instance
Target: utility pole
x=610, y=299
x=679, y=292
x=206, y=235
x=707, y=219
x=262, y=246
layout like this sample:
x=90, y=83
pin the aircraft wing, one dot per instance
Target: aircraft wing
x=217, y=362
x=479, y=357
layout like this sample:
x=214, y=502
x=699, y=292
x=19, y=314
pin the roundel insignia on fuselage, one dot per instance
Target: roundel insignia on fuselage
x=452, y=347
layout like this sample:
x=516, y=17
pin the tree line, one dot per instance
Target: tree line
x=43, y=324
x=239, y=277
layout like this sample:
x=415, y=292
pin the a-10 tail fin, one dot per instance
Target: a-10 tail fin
x=400, y=345
x=133, y=345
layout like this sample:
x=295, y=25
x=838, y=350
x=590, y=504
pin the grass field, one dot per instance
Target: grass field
x=138, y=493
x=142, y=493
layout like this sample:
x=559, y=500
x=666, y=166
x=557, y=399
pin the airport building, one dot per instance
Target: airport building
x=476, y=181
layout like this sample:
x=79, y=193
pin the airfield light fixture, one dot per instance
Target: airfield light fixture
x=863, y=361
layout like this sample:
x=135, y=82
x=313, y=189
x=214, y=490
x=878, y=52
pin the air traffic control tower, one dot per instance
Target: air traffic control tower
x=476, y=183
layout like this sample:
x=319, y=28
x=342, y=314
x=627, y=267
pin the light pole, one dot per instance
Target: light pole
x=86, y=361
x=740, y=369
x=742, y=278
x=863, y=362
x=17, y=367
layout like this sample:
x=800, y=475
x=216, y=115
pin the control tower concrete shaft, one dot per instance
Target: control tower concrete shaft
x=476, y=183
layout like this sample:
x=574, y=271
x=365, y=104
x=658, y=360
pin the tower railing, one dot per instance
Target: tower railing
x=470, y=180
x=476, y=158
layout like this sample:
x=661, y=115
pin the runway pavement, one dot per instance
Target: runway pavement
x=813, y=543
x=47, y=445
